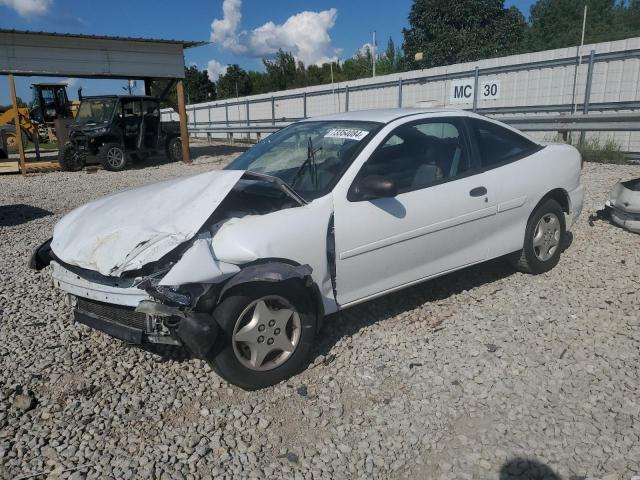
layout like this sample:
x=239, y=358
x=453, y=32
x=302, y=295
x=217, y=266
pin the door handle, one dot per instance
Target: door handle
x=478, y=191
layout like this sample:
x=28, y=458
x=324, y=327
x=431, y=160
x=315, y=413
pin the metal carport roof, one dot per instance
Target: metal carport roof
x=90, y=56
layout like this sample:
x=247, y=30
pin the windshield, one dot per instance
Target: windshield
x=96, y=111
x=308, y=156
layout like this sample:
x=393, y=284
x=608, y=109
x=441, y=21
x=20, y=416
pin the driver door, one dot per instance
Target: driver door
x=438, y=221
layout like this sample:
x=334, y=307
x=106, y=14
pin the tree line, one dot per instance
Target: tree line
x=444, y=33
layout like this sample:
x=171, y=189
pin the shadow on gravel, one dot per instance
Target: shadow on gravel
x=166, y=353
x=12, y=215
x=527, y=469
x=350, y=321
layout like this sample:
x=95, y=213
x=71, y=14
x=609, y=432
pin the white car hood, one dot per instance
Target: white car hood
x=127, y=230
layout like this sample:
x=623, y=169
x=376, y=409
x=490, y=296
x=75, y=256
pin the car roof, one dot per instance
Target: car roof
x=386, y=115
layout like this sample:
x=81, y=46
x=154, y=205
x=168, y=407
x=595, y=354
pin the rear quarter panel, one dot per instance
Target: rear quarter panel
x=518, y=187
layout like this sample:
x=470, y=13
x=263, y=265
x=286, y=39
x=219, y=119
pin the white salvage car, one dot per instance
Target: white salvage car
x=241, y=265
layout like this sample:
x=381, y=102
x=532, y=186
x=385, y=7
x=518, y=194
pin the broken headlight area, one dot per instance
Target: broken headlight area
x=169, y=295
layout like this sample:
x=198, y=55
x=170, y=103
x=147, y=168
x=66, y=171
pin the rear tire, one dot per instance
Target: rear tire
x=174, y=149
x=70, y=159
x=112, y=157
x=234, y=359
x=543, y=240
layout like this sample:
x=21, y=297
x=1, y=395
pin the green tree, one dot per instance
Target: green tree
x=390, y=61
x=198, y=87
x=358, y=66
x=235, y=81
x=452, y=32
x=281, y=71
x=558, y=23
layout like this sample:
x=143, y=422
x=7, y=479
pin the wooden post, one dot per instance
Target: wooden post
x=16, y=115
x=184, y=132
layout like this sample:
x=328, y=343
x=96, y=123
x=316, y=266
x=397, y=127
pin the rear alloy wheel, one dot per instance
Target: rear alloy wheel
x=544, y=238
x=70, y=159
x=267, y=332
x=112, y=157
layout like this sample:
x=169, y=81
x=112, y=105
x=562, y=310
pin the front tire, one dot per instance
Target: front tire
x=543, y=240
x=70, y=159
x=267, y=331
x=112, y=157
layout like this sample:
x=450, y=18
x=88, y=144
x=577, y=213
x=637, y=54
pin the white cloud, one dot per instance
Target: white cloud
x=215, y=69
x=27, y=8
x=225, y=31
x=70, y=81
x=364, y=48
x=305, y=35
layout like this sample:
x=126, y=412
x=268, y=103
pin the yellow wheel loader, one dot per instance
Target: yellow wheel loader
x=37, y=123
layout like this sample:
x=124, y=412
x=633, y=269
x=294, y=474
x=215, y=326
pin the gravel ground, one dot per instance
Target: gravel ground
x=484, y=373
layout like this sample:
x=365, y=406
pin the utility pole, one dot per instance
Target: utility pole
x=373, y=53
x=333, y=89
x=579, y=60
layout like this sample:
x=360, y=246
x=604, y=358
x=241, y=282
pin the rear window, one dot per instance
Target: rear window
x=499, y=145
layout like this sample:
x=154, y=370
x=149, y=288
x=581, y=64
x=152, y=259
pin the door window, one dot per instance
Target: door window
x=499, y=145
x=420, y=154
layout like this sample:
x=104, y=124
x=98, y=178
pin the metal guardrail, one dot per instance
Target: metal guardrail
x=581, y=122
x=552, y=118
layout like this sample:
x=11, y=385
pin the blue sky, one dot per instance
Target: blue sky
x=333, y=29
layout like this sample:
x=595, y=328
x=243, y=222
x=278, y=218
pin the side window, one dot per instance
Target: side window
x=132, y=109
x=150, y=108
x=417, y=155
x=499, y=145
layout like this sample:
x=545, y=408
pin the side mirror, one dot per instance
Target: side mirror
x=372, y=187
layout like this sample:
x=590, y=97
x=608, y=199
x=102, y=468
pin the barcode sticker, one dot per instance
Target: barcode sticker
x=347, y=133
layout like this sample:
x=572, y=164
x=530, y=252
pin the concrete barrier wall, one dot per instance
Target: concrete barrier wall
x=531, y=83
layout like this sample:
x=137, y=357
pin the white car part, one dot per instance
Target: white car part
x=293, y=234
x=624, y=200
x=74, y=284
x=198, y=265
x=129, y=229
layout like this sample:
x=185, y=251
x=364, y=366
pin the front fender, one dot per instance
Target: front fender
x=277, y=270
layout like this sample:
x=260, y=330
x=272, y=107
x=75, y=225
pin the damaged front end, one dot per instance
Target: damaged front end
x=157, y=277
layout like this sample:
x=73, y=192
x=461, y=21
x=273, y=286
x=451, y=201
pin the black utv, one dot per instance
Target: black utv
x=115, y=130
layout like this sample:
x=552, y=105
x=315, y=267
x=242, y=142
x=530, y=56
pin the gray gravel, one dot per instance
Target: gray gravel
x=485, y=373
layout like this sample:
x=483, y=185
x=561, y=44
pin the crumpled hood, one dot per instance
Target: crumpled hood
x=127, y=230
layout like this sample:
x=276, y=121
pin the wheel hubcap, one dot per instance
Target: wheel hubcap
x=11, y=140
x=266, y=333
x=546, y=238
x=115, y=157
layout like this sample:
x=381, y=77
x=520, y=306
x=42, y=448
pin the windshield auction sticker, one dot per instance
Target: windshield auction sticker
x=348, y=133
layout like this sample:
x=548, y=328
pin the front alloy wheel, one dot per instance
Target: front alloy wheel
x=267, y=331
